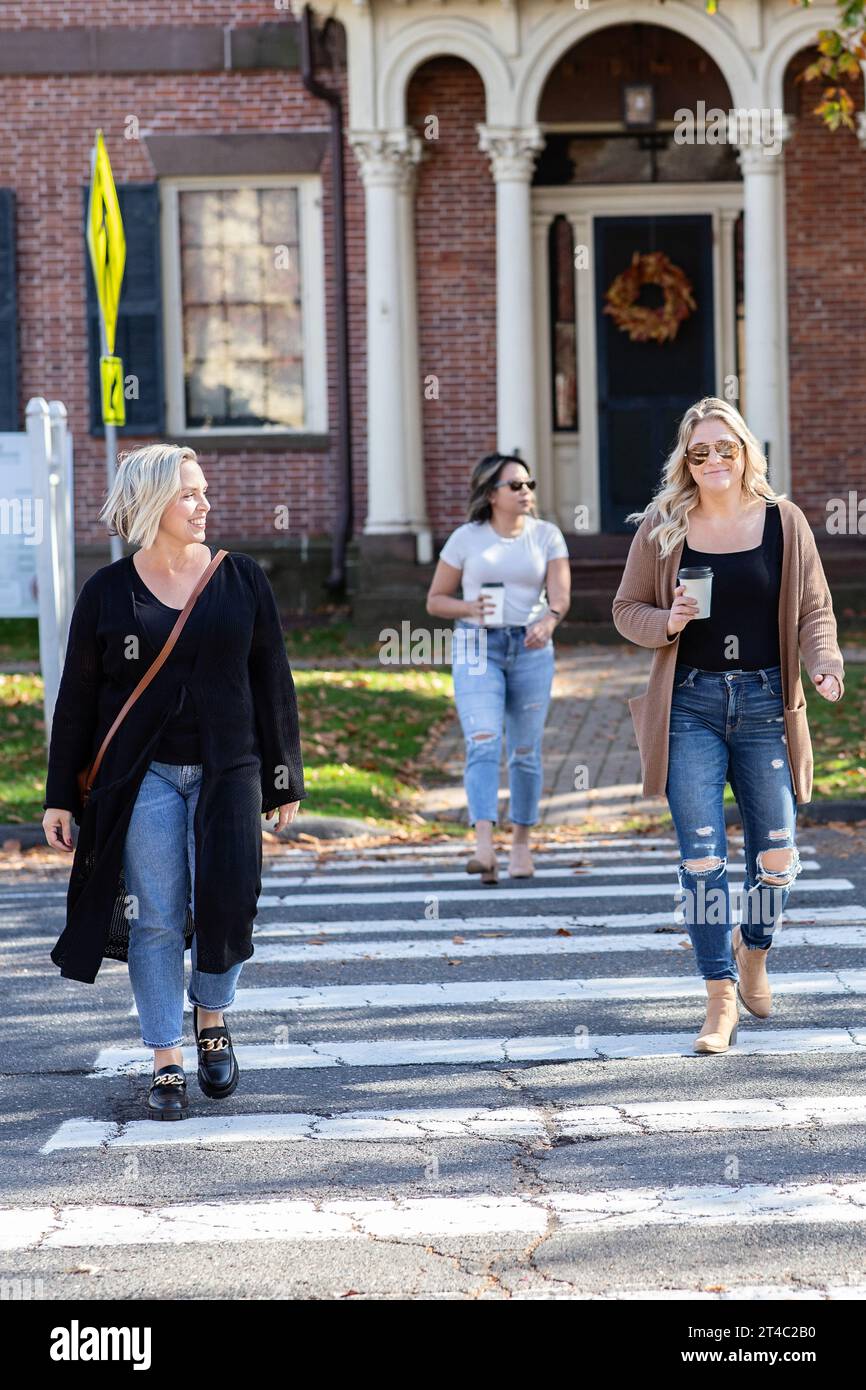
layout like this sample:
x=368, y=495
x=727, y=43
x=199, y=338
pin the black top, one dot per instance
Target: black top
x=745, y=605
x=237, y=674
x=180, y=741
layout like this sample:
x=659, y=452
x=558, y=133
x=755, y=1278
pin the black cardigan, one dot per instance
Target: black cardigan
x=232, y=664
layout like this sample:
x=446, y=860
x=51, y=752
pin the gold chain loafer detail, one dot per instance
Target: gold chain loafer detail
x=753, y=986
x=218, y=1072
x=166, y=1097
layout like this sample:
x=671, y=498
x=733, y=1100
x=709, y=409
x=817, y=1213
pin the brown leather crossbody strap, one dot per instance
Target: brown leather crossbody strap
x=154, y=666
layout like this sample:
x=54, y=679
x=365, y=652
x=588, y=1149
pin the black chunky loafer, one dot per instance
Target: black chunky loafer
x=166, y=1097
x=217, y=1065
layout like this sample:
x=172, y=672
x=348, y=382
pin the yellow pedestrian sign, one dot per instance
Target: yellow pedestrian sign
x=111, y=378
x=105, y=239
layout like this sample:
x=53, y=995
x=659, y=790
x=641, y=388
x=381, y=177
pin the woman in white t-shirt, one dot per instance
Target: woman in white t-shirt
x=503, y=647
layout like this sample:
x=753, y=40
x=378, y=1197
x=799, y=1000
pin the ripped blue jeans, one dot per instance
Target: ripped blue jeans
x=728, y=726
x=509, y=688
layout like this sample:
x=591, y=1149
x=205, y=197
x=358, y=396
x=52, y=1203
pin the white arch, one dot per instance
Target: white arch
x=793, y=31
x=555, y=36
x=427, y=38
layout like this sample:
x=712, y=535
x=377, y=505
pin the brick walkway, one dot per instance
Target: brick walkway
x=589, y=726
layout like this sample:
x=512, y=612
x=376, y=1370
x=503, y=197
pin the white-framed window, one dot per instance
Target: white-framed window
x=244, y=304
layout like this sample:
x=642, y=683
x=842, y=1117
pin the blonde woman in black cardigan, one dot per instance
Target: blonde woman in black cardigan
x=169, y=853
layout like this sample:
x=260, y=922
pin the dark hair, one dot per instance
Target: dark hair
x=484, y=475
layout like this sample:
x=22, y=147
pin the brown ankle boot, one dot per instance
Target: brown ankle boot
x=753, y=987
x=720, y=1025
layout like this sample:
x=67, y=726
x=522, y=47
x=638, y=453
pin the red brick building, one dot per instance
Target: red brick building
x=501, y=164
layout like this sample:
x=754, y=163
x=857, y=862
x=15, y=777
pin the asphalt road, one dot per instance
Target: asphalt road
x=451, y=1091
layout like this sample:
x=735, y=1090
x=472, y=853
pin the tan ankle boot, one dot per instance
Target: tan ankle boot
x=520, y=863
x=753, y=987
x=720, y=1025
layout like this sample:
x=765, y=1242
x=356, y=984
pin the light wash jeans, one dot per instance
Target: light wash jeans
x=510, y=686
x=729, y=726
x=159, y=869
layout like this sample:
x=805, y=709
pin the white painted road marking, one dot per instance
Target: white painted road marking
x=614, y=1209
x=528, y=893
x=481, y=1122
x=852, y=938
x=434, y=877
x=565, y=1047
x=612, y=921
x=629, y=988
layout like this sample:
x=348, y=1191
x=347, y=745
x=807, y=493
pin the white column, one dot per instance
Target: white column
x=393, y=438
x=512, y=156
x=727, y=325
x=587, y=485
x=414, y=445
x=543, y=456
x=766, y=391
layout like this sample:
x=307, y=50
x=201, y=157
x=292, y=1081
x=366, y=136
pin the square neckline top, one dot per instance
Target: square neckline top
x=716, y=553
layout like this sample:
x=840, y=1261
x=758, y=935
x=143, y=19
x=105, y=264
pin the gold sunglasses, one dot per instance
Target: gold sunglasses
x=725, y=448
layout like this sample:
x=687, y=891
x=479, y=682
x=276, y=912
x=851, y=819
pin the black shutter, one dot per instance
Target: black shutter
x=8, y=317
x=139, y=320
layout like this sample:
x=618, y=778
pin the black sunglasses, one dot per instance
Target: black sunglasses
x=516, y=484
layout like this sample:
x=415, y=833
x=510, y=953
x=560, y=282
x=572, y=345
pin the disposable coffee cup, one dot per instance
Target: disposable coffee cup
x=495, y=591
x=697, y=580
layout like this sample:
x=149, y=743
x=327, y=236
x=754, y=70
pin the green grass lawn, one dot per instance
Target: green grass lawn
x=22, y=738
x=365, y=739
x=19, y=639
x=368, y=732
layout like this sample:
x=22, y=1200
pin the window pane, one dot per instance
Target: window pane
x=242, y=308
x=563, y=345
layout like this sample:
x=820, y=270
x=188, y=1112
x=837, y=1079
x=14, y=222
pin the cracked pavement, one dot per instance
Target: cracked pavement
x=348, y=1166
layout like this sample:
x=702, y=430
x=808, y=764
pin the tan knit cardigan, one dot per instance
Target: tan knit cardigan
x=807, y=626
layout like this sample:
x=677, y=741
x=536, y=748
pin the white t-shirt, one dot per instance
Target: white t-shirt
x=518, y=562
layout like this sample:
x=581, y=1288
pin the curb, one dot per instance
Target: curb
x=30, y=833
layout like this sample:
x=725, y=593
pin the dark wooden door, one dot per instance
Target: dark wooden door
x=645, y=388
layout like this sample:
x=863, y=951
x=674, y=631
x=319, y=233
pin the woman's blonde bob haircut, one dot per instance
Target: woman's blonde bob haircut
x=147, y=481
x=678, y=493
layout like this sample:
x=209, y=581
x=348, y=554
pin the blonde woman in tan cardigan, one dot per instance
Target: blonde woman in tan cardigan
x=725, y=701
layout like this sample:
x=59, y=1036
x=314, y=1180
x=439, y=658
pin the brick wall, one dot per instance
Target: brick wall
x=825, y=192
x=48, y=125
x=455, y=220
x=61, y=14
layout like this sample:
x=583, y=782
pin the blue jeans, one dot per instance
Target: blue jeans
x=510, y=686
x=159, y=870
x=729, y=726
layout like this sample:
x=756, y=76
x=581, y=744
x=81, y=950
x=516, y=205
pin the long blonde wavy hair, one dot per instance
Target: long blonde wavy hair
x=678, y=492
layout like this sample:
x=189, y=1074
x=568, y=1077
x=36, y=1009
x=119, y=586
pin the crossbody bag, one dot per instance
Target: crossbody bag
x=87, y=775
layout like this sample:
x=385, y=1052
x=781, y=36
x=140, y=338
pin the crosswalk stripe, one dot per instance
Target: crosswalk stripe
x=611, y=1209
x=852, y=938
x=457, y=846
x=642, y=1119
x=528, y=891
x=434, y=877
x=835, y=916
x=567, y=858
x=410, y=994
x=438, y=926
x=580, y=1045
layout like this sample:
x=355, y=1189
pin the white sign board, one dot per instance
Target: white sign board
x=21, y=530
